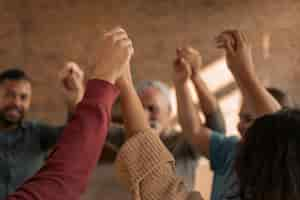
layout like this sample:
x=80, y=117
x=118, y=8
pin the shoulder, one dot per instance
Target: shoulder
x=222, y=150
x=179, y=146
x=171, y=139
x=40, y=128
x=31, y=125
x=219, y=140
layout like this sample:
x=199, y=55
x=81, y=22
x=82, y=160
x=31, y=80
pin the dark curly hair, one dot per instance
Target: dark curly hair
x=268, y=160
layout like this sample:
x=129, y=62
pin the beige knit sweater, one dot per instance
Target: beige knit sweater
x=147, y=170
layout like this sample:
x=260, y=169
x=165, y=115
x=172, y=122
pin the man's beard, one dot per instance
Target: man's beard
x=6, y=121
x=156, y=126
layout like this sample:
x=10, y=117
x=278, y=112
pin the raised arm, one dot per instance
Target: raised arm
x=133, y=113
x=71, y=78
x=143, y=162
x=66, y=172
x=207, y=101
x=192, y=126
x=240, y=62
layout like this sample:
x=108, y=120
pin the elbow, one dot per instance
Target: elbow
x=193, y=132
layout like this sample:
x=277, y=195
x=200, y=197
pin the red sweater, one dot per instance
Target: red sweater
x=65, y=175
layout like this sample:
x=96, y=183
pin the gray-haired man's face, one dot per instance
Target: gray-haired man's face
x=157, y=108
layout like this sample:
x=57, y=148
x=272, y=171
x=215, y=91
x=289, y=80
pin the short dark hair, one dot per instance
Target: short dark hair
x=268, y=160
x=282, y=97
x=14, y=75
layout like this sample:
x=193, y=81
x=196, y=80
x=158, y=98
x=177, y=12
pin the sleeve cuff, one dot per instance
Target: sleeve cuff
x=138, y=157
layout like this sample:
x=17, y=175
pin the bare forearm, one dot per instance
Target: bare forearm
x=208, y=101
x=216, y=122
x=132, y=110
x=197, y=134
x=209, y=105
x=256, y=95
x=187, y=112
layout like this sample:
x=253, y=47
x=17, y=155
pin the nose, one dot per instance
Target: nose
x=148, y=114
x=17, y=102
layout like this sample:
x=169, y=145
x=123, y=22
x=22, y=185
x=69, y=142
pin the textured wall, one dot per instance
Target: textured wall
x=40, y=36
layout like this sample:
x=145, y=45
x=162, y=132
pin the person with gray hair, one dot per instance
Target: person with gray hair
x=165, y=90
x=156, y=99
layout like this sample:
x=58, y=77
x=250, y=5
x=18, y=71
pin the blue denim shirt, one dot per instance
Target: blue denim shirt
x=22, y=153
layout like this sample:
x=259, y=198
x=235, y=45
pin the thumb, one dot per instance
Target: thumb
x=187, y=66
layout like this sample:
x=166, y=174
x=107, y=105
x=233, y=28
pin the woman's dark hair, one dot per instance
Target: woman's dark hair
x=268, y=160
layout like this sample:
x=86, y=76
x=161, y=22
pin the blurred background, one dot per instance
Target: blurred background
x=39, y=36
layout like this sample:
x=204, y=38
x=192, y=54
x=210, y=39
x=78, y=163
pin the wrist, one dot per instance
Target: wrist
x=244, y=72
x=106, y=77
x=195, y=74
x=71, y=106
x=181, y=84
x=125, y=83
x=180, y=80
x=246, y=79
x=241, y=67
x=126, y=88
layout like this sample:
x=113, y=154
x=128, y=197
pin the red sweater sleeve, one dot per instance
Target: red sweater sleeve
x=65, y=175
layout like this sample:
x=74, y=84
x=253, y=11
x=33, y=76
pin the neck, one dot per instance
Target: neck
x=165, y=133
x=5, y=126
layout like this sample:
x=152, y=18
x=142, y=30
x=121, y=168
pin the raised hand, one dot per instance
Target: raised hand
x=240, y=62
x=182, y=70
x=191, y=56
x=72, y=82
x=114, y=55
x=238, y=52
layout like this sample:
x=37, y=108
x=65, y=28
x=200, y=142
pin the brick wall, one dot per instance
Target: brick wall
x=39, y=36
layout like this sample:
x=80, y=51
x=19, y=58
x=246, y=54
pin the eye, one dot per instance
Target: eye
x=152, y=109
x=24, y=97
